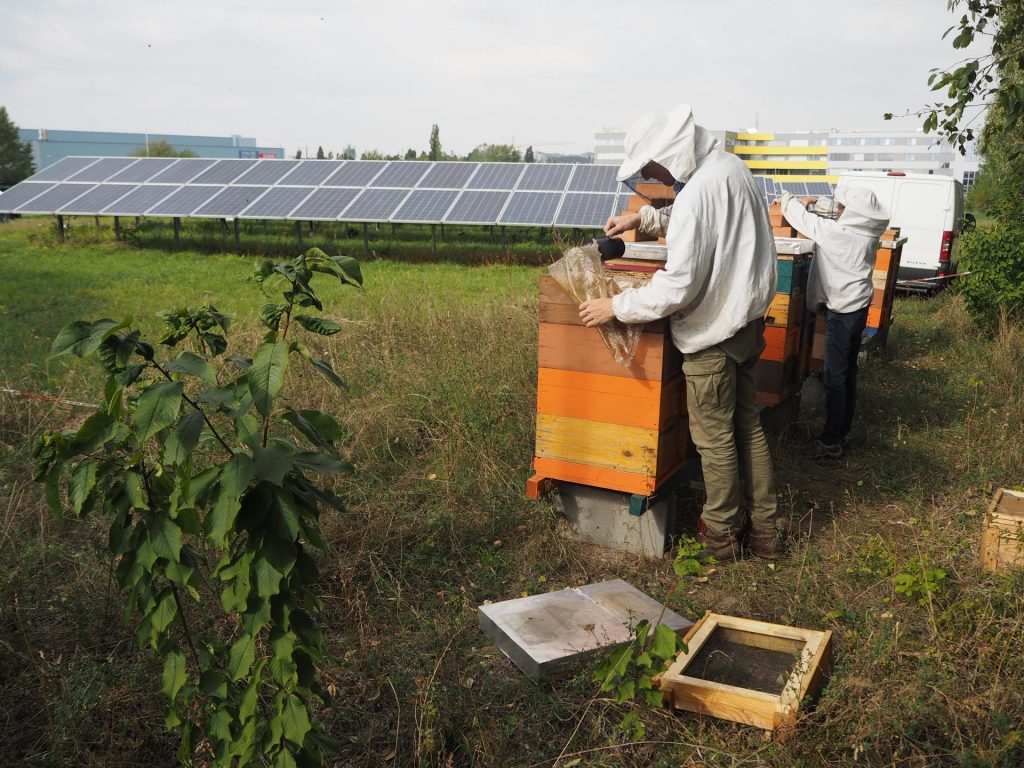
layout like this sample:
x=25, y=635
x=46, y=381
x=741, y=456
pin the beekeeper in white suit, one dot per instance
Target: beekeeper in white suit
x=716, y=285
x=840, y=281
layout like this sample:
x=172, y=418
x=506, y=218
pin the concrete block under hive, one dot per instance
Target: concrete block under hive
x=600, y=423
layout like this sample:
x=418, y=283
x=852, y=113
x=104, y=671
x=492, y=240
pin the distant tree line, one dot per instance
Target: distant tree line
x=482, y=153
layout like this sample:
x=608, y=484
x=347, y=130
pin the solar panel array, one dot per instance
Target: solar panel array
x=516, y=194
x=771, y=188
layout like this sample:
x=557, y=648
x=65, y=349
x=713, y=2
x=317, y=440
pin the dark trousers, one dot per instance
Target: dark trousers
x=843, y=331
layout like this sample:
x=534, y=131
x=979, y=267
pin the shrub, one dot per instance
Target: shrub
x=995, y=256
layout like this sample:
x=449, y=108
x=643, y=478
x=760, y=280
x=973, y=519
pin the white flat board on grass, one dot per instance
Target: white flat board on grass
x=545, y=635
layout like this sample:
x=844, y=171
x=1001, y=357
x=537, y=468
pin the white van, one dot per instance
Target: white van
x=928, y=209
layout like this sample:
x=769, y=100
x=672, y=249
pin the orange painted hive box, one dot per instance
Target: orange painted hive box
x=600, y=423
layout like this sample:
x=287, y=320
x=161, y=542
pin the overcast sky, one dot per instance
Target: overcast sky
x=377, y=75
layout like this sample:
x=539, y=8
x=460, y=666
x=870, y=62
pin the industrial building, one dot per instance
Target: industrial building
x=49, y=146
x=825, y=155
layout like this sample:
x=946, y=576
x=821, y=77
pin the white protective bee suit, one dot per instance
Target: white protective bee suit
x=717, y=284
x=841, y=270
x=721, y=266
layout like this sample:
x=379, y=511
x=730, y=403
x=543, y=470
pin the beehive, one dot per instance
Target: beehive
x=600, y=423
x=779, y=370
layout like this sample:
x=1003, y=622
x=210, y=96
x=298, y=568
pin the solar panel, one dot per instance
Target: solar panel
x=140, y=201
x=594, y=178
x=97, y=198
x=584, y=210
x=63, y=168
x=267, y=171
x=477, y=207
x=375, y=205
x=425, y=205
x=448, y=175
x=309, y=173
x=543, y=177
x=794, y=187
x=496, y=176
x=277, y=203
x=231, y=202
x=355, y=174
x=325, y=204
x=143, y=170
x=184, y=170
x=819, y=188
x=403, y=173
x=184, y=201
x=101, y=170
x=54, y=199
x=531, y=208
x=621, y=204
x=21, y=194
x=224, y=172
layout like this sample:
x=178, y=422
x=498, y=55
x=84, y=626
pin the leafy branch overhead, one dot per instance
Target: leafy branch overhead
x=209, y=484
x=991, y=80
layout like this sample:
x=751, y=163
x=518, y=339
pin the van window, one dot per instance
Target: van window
x=919, y=204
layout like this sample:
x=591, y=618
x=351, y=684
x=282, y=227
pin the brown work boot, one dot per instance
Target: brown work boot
x=724, y=547
x=767, y=542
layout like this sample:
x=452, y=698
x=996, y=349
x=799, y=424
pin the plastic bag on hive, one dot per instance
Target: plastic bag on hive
x=581, y=275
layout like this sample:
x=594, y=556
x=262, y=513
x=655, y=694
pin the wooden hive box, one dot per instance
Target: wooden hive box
x=791, y=278
x=1002, y=532
x=729, y=670
x=599, y=423
x=785, y=311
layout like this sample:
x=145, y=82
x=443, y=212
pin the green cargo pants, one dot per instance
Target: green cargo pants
x=721, y=394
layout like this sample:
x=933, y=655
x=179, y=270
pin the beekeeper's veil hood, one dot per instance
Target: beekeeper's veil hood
x=863, y=214
x=671, y=139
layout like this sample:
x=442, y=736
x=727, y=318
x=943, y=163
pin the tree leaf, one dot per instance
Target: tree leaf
x=268, y=578
x=318, y=325
x=184, y=439
x=174, y=673
x=320, y=462
x=272, y=463
x=235, y=477
x=95, y=431
x=295, y=720
x=157, y=408
x=193, y=365
x=164, y=612
x=165, y=537
x=282, y=666
x=71, y=338
x=267, y=374
x=241, y=657
x=319, y=427
x=664, y=643
x=213, y=682
x=83, y=480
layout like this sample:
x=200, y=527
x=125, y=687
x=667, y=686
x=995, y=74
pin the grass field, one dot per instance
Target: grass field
x=442, y=362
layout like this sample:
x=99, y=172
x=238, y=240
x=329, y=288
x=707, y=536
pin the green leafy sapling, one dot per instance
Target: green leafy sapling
x=208, y=479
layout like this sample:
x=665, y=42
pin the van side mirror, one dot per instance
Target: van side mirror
x=968, y=223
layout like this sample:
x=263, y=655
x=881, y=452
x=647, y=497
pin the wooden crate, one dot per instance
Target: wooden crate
x=600, y=423
x=784, y=231
x=1002, y=532
x=685, y=687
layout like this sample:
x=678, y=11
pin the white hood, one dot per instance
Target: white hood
x=671, y=139
x=863, y=213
